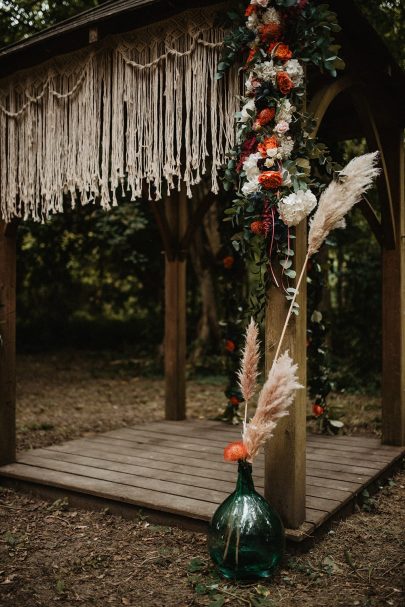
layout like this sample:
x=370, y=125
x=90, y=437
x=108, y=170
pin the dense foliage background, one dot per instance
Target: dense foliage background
x=95, y=280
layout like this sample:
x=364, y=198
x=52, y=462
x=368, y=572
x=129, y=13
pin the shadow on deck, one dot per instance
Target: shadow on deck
x=174, y=472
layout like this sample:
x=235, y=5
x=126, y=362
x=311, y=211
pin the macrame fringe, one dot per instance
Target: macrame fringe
x=146, y=108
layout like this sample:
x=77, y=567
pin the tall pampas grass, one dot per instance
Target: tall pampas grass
x=340, y=196
x=248, y=372
x=274, y=400
x=335, y=202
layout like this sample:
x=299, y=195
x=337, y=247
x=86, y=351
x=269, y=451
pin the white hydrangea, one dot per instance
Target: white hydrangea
x=250, y=165
x=285, y=110
x=295, y=207
x=295, y=71
x=271, y=16
x=251, y=186
x=266, y=70
x=286, y=147
x=244, y=115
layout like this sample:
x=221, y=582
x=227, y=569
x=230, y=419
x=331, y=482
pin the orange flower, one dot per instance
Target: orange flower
x=234, y=400
x=317, y=410
x=257, y=227
x=270, y=180
x=284, y=82
x=250, y=10
x=283, y=52
x=268, y=143
x=271, y=46
x=252, y=53
x=235, y=451
x=230, y=345
x=269, y=31
x=266, y=115
x=228, y=262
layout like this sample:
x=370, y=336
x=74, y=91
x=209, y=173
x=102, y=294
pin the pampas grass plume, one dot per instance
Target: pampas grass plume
x=340, y=196
x=275, y=397
x=248, y=372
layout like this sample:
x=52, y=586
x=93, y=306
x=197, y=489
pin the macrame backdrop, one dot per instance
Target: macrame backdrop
x=140, y=108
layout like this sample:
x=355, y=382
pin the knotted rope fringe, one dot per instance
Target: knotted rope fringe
x=144, y=107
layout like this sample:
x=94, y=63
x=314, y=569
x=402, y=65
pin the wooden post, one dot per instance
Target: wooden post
x=393, y=302
x=285, y=454
x=7, y=342
x=175, y=310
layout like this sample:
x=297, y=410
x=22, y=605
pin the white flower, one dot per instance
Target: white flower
x=263, y=3
x=272, y=152
x=286, y=147
x=265, y=70
x=285, y=110
x=251, y=186
x=295, y=71
x=269, y=162
x=271, y=16
x=250, y=165
x=295, y=207
x=281, y=127
x=249, y=106
x=251, y=84
x=252, y=22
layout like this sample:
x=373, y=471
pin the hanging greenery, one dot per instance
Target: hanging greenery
x=272, y=168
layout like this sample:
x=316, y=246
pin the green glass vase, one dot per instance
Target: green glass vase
x=246, y=535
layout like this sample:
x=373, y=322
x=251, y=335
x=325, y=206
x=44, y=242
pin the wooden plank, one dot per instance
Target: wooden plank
x=393, y=297
x=159, y=487
x=8, y=236
x=175, y=313
x=137, y=496
x=285, y=459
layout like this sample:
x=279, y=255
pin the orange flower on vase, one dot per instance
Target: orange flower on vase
x=230, y=345
x=270, y=180
x=284, y=82
x=228, y=262
x=266, y=116
x=283, y=52
x=235, y=451
x=270, y=31
x=267, y=144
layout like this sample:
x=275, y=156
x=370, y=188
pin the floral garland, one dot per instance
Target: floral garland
x=272, y=166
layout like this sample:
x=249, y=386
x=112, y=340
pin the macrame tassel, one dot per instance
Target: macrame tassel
x=146, y=108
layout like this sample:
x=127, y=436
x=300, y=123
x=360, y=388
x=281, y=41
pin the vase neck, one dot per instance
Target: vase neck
x=245, y=481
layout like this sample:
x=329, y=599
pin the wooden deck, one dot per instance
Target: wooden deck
x=177, y=468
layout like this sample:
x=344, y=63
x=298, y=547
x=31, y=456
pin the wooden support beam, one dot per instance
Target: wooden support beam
x=175, y=311
x=393, y=300
x=285, y=457
x=7, y=342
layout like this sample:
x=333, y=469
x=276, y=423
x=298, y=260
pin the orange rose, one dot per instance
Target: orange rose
x=270, y=180
x=266, y=115
x=284, y=83
x=269, y=31
x=268, y=144
x=235, y=451
x=282, y=52
x=257, y=227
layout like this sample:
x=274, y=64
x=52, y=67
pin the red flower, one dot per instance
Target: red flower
x=234, y=400
x=284, y=82
x=250, y=10
x=270, y=31
x=251, y=55
x=270, y=180
x=228, y=262
x=257, y=227
x=283, y=52
x=230, y=345
x=266, y=115
x=248, y=147
x=317, y=410
x=235, y=451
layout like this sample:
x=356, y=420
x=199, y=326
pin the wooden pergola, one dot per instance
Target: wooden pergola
x=306, y=481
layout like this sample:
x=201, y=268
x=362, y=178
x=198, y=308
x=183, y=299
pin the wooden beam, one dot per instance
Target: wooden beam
x=175, y=312
x=393, y=300
x=285, y=457
x=8, y=234
x=371, y=217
